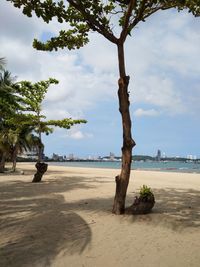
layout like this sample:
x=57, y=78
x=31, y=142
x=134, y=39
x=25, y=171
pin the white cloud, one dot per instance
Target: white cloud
x=100, y=55
x=161, y=52
x=141, y=112
x=77, y=134
x=160, y=92
x=163, y=59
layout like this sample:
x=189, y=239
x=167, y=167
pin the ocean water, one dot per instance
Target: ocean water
x=171, y=166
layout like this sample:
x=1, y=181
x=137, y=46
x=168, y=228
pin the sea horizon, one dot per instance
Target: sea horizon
x=170, y=166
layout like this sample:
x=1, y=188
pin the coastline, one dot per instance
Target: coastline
x=66, y=220
x=136, y=165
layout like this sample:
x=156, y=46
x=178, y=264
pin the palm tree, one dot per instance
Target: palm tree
x=14, y=141
x=9, y=99
x=8, y=107
x=23, y=140
x=4, y=146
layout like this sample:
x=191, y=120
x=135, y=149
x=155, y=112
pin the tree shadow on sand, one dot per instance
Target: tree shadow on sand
x=177, y=209
x=35, y=223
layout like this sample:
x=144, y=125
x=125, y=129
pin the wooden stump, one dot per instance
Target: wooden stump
x=41, y=169
x=141, y=205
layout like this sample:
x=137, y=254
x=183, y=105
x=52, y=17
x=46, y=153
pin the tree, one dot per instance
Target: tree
x=8, y=106
x=100, y=16
x=14, y=136
x=21, y=139
x=2, y=63
x=20, y=116
x=4, y=147
x=9, y=100
x=32, y=96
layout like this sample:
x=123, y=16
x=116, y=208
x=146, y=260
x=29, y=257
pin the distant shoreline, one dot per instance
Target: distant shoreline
x=144, y=166
x=158, y=166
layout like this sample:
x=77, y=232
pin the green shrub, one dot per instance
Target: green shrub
x=146, y=193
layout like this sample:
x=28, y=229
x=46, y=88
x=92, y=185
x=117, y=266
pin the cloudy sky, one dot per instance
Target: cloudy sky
x=162, y=59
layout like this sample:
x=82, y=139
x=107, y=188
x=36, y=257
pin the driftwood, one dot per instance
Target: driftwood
x=41, y=169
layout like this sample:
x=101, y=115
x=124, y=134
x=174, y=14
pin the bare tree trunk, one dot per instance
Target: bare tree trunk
x=40, y=165
x=40, y=148
x=41, y=169
x=2, y=162
x=122, y=180
x=14, y=158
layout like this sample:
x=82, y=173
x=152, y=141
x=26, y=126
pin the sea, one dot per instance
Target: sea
x=166, y=166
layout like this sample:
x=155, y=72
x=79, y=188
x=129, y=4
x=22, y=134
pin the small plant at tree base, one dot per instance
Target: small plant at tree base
x=146, y=193
x=144, y=203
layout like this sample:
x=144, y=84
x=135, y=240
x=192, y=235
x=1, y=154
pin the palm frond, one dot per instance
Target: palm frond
x=2, y=63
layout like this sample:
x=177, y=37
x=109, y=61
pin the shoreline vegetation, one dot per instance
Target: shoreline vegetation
x=66, y=220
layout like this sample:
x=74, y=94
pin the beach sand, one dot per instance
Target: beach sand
x=66, y=220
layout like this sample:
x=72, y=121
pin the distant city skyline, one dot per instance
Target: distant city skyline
x=162, y=59
x=112, y=155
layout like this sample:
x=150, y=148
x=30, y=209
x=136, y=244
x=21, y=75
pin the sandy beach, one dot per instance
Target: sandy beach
x=66, y=220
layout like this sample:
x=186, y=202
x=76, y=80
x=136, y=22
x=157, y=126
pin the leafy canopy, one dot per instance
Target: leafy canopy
x=21, y=115
x=82, y=17
x=32, y=96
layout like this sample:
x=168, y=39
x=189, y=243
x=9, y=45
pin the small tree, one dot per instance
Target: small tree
x=101, y=16
x=33, y=94
x=20, y=115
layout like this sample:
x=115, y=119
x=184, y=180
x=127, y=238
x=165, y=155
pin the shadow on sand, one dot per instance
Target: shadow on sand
x=178, y=208
x=36, y=222
x=175, y=209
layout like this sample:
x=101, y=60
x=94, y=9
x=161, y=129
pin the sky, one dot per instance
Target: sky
x=162, y=60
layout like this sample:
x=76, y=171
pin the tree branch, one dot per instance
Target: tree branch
x=93, y=23
x=124, y=32
x=142, y=16
x=139, y=16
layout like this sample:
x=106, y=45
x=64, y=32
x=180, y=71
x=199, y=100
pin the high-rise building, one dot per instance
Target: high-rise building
x=158, y=156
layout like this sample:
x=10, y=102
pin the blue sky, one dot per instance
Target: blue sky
x=162, y=59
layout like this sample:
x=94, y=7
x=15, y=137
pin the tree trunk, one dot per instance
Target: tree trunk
x=40, y=148
x=40, y=165
x=122, y=180
x=2, y=162
x=41, y=169
x=14, y=158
